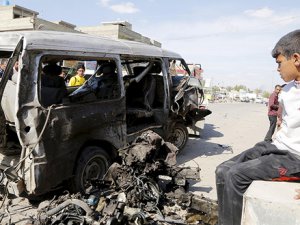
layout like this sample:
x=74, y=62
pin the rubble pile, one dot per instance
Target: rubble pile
x=144, y=187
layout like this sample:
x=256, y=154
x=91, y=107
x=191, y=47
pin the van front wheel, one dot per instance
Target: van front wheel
x=179, y=136
x=92, y=164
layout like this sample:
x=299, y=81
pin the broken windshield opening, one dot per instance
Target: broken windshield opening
x=67, y=80
x=103, y=84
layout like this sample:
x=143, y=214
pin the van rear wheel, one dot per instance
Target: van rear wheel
x=179, y=136
x=92, y=164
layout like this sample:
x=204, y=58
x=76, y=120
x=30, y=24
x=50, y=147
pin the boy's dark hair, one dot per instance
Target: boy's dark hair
x=287, y=45
x=80, y=66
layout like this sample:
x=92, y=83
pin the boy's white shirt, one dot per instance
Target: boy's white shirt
x=288, y=137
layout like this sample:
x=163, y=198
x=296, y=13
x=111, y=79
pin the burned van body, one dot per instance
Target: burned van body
x=51, y=133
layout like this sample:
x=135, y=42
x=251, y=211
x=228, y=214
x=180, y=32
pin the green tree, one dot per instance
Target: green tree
x=257, y=91
x=265, y=94
x=215, y=89
x=229, y=88
x=239, y=87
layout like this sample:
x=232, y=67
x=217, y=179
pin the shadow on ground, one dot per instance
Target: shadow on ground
x=209, y=131
x=202, y=147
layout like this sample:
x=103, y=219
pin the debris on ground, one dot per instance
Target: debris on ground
x=227, y=148
x=145, y=187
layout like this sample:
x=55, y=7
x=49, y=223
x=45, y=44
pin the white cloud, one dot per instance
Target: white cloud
x=232, y=50
x=124, y=8
x=260, y=13
x=127, y=7
x=104, y=2
x=285, y=20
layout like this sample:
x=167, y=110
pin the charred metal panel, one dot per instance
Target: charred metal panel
x=52, y=136
x=131, y=193
x=69, y=128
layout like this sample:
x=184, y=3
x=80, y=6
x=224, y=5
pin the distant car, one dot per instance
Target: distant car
x=259, y=100
x=245, y=99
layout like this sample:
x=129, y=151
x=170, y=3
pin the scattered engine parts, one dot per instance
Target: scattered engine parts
x=145, y=187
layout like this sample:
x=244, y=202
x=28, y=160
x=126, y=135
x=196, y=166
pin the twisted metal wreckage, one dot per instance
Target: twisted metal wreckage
x=144, y=187
x=46, y=146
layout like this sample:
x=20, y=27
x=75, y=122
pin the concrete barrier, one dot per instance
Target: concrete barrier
x=271, y=203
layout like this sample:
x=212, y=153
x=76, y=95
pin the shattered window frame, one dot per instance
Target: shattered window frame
x=78, y=58
x=149, y=70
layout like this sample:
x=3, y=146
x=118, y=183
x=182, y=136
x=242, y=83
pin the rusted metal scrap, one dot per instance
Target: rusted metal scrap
x=144, y=187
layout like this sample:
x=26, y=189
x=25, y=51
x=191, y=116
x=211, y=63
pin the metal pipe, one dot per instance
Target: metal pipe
x=66, y=203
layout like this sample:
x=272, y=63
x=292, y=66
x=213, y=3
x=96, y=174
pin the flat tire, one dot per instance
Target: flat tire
x=179, y=136
x=92, y=163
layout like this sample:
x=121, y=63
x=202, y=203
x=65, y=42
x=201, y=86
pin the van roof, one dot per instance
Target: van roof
x=54, y=40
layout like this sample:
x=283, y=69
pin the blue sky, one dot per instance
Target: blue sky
x=232, y=39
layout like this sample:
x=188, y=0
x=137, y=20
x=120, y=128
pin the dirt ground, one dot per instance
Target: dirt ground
x=229, y=130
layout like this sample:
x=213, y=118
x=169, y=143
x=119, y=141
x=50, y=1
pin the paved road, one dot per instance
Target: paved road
x=229, y=130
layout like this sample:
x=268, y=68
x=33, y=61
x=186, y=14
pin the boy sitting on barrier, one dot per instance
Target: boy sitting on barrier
x=266, y=161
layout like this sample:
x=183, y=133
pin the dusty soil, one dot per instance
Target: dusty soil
x=229, y=130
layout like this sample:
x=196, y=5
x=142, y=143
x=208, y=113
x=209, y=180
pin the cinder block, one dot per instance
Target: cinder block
x=271, y=203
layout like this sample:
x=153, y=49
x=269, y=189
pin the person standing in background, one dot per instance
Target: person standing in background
x=273, y=112
x=78, y=79
x=3, y=64
x=279, y=112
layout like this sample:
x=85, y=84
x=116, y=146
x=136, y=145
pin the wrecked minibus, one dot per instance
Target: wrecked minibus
x=53, y=135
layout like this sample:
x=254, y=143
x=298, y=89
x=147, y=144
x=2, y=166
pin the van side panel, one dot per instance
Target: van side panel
x=69, y=128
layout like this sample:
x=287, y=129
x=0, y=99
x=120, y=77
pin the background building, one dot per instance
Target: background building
x=118, y=30
x=16, y=18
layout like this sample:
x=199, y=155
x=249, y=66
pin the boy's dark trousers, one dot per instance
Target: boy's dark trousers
x=262, y=162
x=273, y=122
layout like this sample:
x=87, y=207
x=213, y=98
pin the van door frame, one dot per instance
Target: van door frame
x=32, y=138
x=166, y=104
x=9, y=69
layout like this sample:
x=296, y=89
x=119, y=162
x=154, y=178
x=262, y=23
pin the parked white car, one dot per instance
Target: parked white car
x=259, y=100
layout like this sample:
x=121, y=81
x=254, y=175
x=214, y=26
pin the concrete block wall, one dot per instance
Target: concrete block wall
x=16, y=24
x=15, y=18
x=41, y=24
